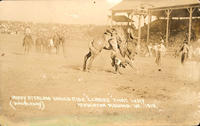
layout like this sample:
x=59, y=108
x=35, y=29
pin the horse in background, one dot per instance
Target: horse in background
x=42, y=44
x=39, y=44
x=46, y=43
x=27, y=43
x=57, y=41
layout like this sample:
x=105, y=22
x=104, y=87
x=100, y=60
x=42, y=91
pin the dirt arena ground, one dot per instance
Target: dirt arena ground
x=175, y=91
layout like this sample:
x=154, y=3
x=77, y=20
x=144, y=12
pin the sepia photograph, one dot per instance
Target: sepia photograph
x=99, y=62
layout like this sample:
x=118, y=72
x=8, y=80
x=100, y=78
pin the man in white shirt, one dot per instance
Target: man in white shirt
x=160, y=51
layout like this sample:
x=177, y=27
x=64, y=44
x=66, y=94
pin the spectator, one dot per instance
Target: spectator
x=160, y=51
x=184, y=52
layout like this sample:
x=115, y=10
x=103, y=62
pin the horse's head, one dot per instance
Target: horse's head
x=107, y=35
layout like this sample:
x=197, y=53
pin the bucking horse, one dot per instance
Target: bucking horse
x=115, y=40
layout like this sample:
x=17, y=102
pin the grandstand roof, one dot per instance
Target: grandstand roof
x=142, y=6
x=121, y=18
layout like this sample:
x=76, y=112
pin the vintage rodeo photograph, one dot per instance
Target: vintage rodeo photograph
x=99, y=63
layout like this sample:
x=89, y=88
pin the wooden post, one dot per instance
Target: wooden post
x=128, y=18
x=131, y=17
x=139, y=31
x=112, y=19
x=167, y=28
x=190, y=24
x=148, y=26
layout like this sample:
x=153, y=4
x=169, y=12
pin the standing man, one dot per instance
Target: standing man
x=160, y=51
x=184, y=52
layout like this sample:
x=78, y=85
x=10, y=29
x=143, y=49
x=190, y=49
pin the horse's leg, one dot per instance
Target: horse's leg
x=130, y=64
x=40, y=48
x=37, y=48
x=87, y=56
x=28, y=49
x=117, y=63
x=44, y=47
x=49, y=50
x=63, y=49
x=24, y=49
x=93, y=55
x=116, y=66
x=57, y=50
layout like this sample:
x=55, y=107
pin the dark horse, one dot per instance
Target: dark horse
x=58, y=40
x=40, y=44
x=127, y=48
x=27, y=43
x=45, y=44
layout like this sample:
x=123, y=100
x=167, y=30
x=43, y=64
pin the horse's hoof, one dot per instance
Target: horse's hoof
x=117, y=73
x=86, y=70
x=122, y=65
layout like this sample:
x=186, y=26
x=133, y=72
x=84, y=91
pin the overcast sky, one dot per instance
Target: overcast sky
x=60, y=11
